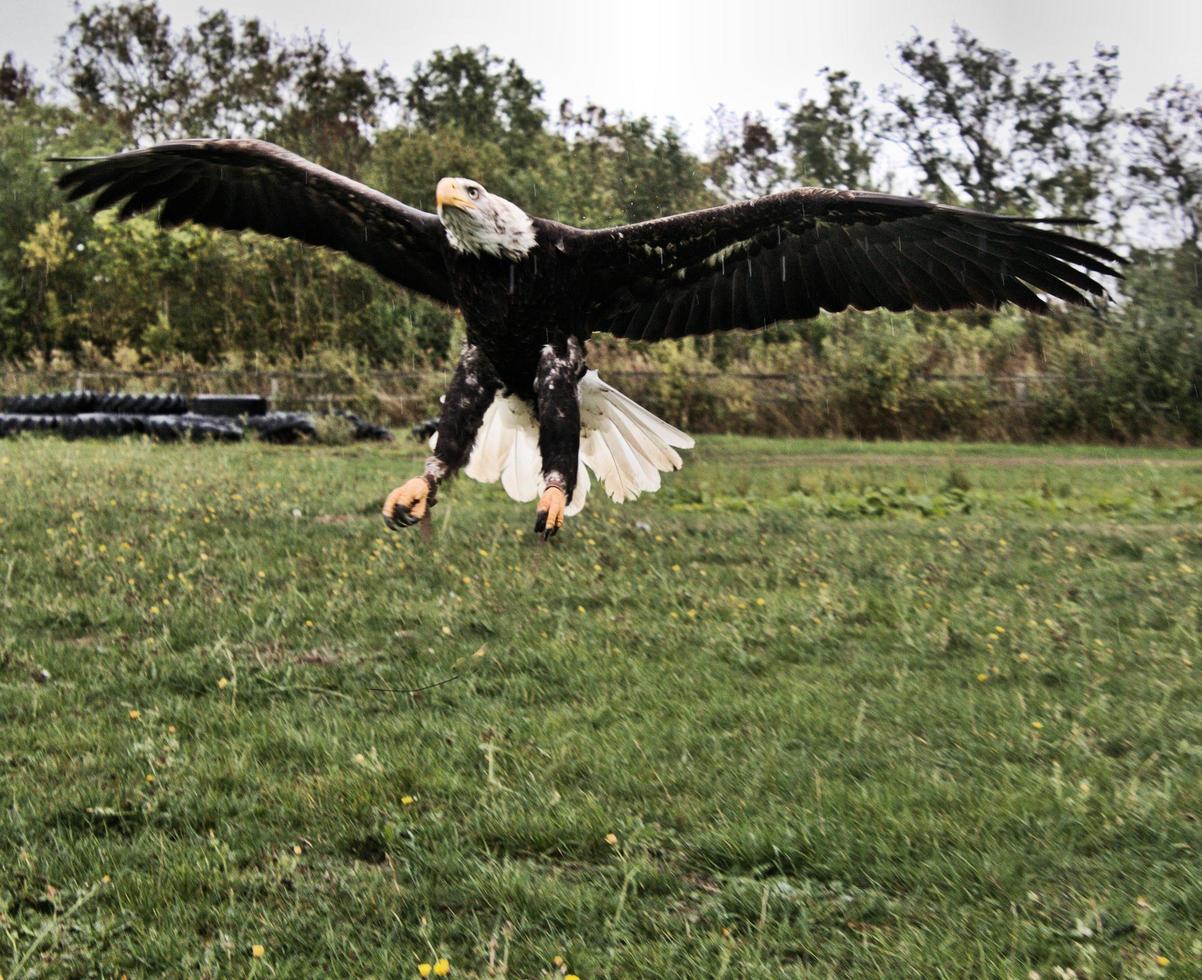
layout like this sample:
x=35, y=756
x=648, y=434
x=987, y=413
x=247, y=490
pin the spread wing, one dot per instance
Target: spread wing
x=251, y=184
x=790, y=255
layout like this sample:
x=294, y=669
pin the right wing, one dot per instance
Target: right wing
x=251, y=184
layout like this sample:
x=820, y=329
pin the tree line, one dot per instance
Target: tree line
x=968, y=124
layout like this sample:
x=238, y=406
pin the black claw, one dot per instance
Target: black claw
x=541, y=526
x=400, y=519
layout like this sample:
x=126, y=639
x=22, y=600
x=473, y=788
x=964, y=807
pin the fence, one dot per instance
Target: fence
x=706, y=401
x=977, y=406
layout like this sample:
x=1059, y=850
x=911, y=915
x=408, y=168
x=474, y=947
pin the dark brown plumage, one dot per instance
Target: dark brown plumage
x=791, y=255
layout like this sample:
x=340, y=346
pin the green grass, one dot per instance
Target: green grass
x=849, y=710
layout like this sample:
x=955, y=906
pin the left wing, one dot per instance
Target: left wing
x=789, y=256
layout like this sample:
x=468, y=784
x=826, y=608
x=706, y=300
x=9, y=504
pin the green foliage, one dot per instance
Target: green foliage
x=975, y=125
x=981, y=133
x=1165, y=149
x=833, y=142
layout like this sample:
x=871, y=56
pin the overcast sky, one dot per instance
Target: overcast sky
x=682, y=58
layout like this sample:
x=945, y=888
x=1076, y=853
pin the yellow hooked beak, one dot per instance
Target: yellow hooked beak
x=450, y=195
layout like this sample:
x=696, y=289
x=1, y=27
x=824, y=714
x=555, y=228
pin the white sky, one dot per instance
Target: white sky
x=682, y=58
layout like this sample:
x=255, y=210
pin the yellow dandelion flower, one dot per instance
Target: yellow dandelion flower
x=424, y=969
x=999, y=629
x=611, y=839
x=446, y=631
x=442, y=968
x=149, y=778
x=105, y=879
x=134, y=714
x=1162, y=961
x=257, y=951
x=571, y=976
x=982, y=677
x=1037, y=725
x=557, y=961
x=676, y=568
x=761, y=601
x=580, y=609
x=406, y=800
x=223, y=683
x=1024, y=657
x=360, y=758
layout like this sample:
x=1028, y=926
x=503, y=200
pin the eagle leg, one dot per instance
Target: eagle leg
x=551, y=506
x=472, y=389
x=559, y=368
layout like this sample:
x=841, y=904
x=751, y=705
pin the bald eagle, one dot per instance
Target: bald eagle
x=522, y=406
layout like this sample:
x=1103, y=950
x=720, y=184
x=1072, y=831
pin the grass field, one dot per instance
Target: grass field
x=816, y=709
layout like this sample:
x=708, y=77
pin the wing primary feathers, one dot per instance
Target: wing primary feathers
x=791, y=255
x=250, y=184
x=836, y=296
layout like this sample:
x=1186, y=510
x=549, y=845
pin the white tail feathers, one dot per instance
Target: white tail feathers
x=620, y=441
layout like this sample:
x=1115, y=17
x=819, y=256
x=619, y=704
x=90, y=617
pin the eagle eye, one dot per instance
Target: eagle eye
x=473, y=192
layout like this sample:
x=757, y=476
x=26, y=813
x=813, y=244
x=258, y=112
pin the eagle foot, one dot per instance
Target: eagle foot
x=550, y=511
x=409, y=503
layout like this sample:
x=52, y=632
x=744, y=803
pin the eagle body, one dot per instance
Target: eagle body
x=522, y=406
x=513, y=309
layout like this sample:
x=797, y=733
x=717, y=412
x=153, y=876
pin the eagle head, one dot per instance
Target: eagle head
x=478, y=222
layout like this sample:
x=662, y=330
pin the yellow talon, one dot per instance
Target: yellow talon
x=550, y=512
x=407, y=504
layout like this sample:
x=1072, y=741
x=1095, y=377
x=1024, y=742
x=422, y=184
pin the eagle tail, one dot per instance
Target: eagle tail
x=624, y=445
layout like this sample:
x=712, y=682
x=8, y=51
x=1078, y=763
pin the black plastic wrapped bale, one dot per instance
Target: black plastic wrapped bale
x=283, y=427
x=171, y=428
x=99, y=425
x=124, y=404
x=11, y=424
x=423, y=430
x=50, y=403
x=365, y=430
x=229, y=405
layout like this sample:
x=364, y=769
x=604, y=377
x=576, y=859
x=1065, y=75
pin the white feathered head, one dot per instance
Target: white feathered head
x=478, y=222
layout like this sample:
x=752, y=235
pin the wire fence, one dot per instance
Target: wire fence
x=970, y=405
x=311, y=389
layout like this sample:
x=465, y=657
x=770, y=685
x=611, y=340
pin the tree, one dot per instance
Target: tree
x=1165, y=150
x=486, y=96
x=611, y=168
x=16, y=81
x=745, y=155
x=980, y=132
x=833, y=142
x=225, y=77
